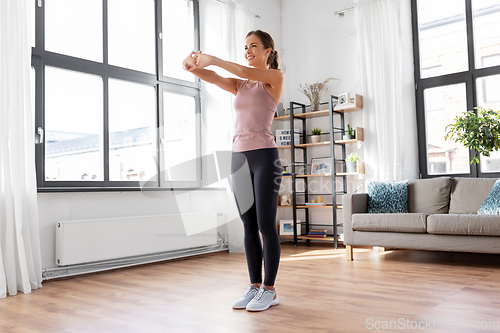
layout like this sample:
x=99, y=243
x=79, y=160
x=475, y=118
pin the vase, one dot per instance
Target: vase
x=315, y=106
x=350, y=167
x=315, y=138
x=315, y=103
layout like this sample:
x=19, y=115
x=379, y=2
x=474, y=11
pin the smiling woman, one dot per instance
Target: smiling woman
x=255, y=165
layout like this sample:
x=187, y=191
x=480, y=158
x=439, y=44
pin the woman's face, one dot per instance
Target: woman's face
x=255, y=53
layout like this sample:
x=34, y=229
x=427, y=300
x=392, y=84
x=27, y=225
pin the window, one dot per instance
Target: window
x=457, y=67
x=114, y=109
x=443, y=37
x=490, y=85
x=434, y=99
x=131, y=34
x=178, y=30
x=438, y=167
x=73, y=125
x=74, y=35
x=488, y=96
x=132, y=135
x=453, y=156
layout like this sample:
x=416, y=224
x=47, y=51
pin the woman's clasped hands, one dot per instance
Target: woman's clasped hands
x=197, y=60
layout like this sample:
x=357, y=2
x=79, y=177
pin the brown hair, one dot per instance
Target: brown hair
x=268, y=42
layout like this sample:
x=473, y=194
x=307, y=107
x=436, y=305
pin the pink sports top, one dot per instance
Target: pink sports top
x=255, y=110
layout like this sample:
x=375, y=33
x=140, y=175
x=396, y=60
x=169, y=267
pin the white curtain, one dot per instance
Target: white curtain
x=383, y=29
x=223, y=28
x=20, y=261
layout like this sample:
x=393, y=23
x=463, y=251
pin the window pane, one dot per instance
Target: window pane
x=444, y=157
x=443, y=36
x=434, y=99
x=131, y=27
x=180, y=135
x=73, y=125
x=74, y=28
x=132, y=131
x=486, y=19
x=178, y=37
x=488, y=97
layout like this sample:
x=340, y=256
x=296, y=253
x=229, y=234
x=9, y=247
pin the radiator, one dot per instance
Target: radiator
x=89, y=241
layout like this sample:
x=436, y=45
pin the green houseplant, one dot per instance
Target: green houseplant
x=479, y=131
x=351, y=133
x=316, y=135
x=350, y=162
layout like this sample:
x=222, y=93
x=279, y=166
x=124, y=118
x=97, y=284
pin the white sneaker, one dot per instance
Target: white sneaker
x=263, y=300
x=242, y=302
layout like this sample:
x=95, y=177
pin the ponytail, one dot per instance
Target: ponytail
x=272, y=60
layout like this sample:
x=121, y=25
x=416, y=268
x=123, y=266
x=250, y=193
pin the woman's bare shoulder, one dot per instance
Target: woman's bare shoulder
x=238, y=84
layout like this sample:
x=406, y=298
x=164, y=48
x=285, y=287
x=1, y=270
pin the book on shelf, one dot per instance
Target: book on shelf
x=317, y=236
x=315, y=204
x=318, y=230
x=317, y=233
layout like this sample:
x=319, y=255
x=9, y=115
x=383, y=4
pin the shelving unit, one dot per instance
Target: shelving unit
x=303, y=116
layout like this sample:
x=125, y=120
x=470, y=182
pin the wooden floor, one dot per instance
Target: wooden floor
x=319, y=291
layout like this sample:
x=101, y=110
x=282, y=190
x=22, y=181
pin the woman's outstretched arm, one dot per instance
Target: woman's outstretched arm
x=228, y=84
x=270, y=76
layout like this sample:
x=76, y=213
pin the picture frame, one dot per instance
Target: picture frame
x=286, y=200
x=344, y=98
x=321, y=165
x=286, y=227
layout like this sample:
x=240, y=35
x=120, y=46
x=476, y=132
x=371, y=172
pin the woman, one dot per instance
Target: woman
x=253, y=144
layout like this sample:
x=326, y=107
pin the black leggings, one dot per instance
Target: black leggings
x=256, y=179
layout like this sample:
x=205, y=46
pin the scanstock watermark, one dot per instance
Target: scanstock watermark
x=215, y=167
x=451, y=325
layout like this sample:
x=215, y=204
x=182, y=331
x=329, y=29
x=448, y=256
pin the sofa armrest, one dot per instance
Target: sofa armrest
x=352, y=204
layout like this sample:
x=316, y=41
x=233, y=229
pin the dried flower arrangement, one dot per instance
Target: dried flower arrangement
x=313, y=91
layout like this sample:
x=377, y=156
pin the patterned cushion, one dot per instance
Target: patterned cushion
x=388, y=197
x=491, y=204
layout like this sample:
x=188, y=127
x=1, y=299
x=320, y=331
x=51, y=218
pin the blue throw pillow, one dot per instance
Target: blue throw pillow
x=491, y=205
x=388, y=197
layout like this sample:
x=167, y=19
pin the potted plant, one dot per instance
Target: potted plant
x=351, y=133
x=480, y=131
x=314, y=91
x=316, y=135
x=350, y=162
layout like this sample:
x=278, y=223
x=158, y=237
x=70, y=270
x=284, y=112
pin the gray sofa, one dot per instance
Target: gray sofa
x=441, y=217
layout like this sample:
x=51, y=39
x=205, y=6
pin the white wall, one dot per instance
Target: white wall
x=270, y=17
x=57, y=207
x=318, y=44
x=70, y=206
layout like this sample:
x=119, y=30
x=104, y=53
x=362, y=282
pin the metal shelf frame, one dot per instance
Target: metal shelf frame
x=332, y=131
